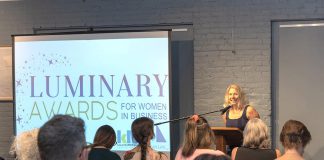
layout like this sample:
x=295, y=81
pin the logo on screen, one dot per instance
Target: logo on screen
x=127, y=137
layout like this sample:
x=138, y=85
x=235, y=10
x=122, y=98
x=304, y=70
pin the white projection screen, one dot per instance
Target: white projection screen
x=103, y=78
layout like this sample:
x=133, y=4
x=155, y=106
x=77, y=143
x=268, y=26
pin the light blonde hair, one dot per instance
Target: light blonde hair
x=256, y=135
x=24, y=146
x=242, y=98
x=198, y=135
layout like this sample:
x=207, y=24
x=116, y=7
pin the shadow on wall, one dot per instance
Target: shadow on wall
x=318, y=155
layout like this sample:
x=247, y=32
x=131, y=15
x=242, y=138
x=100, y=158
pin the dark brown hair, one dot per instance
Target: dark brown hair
x=294, y=134
x=142, y=130
x=212, y=157
x=198, y=135
x=105, y=136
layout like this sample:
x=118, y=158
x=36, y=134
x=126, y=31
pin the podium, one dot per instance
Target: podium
x=227, y=136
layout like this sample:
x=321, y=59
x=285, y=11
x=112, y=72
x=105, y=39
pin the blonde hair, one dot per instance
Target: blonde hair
x=242, y=98
x=256, y=135
x=198, y=135
x=24, y=146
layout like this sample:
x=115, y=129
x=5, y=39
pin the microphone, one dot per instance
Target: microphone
x=223, y=110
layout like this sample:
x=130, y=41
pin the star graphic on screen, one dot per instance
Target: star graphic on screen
x=18, y=83
x=19, y=119
x=50, y=62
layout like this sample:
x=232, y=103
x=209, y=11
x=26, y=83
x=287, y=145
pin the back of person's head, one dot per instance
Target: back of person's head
x=256, y=135
x=198, y=135
x=142, y=130
x=105, y=136
x=212, y=157
x=25, y=147
x=62, y=137
x=241, y=95
x=294, y=134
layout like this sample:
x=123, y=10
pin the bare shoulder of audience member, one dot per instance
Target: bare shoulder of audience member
x=212, y=157
x=294, y=137
x=24, y=146
x=62, y=138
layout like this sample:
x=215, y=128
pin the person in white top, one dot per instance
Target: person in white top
x=198, y=139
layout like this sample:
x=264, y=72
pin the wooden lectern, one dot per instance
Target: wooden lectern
x=227, y=136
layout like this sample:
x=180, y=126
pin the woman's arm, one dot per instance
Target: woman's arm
x=224, y=118
x=234, y=153
x=252, y=113
x=178, y=155
x=278, y=153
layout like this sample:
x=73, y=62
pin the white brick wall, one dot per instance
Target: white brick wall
x=215, y=22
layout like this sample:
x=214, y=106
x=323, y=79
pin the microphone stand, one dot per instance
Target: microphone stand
x=178, y=119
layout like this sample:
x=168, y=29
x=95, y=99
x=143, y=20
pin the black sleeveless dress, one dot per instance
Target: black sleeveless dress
x=239, y=122
x=244, y=153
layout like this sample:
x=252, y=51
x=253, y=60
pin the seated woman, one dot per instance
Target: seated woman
x=294, y=137
x=142, y=130
x=25, y=146
x=256, y=143
x=104, y=140
x=198, y=139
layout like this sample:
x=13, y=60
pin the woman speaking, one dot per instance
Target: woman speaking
x=240, y=112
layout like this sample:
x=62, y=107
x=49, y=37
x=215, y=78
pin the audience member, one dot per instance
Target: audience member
x=294, y=137
x=198, y=139
x=104, y=140
x=142, y=130
x=24, y=146
x=212, y=157
x=256, y=143
x=62, y=138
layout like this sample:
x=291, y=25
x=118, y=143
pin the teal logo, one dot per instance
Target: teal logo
x=127, y=137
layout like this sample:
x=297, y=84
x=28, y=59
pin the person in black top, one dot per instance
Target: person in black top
x=212, y=157
x=256, y=143
x=240, y=111
x=104, y=140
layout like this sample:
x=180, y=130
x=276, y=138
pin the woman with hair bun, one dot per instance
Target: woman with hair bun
x=294, y=137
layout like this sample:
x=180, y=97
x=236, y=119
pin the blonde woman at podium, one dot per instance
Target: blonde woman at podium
x=198, y=139
x=239, y=112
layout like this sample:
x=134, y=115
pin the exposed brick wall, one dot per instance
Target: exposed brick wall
x=232, y=38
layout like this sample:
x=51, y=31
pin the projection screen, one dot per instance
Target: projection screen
x=103, y=78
